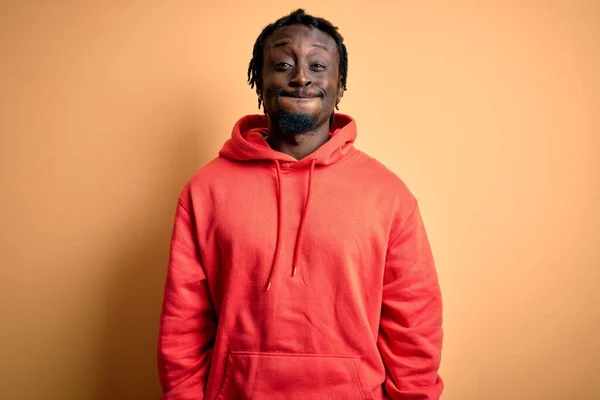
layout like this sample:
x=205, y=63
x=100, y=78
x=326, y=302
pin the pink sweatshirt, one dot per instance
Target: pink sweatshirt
x=308, y=279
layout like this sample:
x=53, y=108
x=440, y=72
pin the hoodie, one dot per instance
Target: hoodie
x=299, y=279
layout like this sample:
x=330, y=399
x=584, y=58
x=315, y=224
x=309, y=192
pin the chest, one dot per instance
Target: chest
x=345, y=219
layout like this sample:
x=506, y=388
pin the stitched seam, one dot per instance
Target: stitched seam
x=357, y=379
x=180, y=203
x=227, y=377
x=401, y=228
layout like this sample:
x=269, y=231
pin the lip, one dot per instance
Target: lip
x=298, y=103
x=300, y=98
x=300, y=94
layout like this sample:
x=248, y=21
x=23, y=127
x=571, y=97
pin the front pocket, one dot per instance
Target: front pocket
x=254, y=375
x=227, y=377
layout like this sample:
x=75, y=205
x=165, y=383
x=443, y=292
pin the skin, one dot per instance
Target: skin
x=300, y=60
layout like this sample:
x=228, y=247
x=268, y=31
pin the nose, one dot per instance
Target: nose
x=300, y=78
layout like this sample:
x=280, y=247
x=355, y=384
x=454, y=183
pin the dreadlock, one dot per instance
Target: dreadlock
x=297, y=17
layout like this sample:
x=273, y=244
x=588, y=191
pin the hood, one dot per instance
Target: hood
x=247, y=142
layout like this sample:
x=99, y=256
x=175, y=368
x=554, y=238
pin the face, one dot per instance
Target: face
x=301, y=83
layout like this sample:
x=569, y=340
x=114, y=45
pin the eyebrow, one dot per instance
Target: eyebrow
x=285, y=42
x=321, y=46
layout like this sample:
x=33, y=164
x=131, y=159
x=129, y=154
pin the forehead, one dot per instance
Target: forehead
x=298, y=35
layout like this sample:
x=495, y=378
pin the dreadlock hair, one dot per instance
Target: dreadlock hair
x=296, y=17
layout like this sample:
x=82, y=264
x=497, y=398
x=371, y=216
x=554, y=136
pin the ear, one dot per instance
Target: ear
x=260, y=99
x=340, y=92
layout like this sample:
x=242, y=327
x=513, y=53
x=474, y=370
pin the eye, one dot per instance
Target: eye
x=318, y=66
x=282, y=65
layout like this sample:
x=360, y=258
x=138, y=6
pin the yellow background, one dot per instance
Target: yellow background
x=488, y=110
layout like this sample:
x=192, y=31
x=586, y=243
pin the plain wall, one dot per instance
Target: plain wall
x=489, y=111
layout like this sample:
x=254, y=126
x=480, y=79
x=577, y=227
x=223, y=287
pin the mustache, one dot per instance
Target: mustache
x=302, y=94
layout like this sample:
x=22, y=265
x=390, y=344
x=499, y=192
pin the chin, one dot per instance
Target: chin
x=292, y=123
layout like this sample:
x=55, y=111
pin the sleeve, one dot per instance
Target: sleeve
x=188, y=321
x=410, y=337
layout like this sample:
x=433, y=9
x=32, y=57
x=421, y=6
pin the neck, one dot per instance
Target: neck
x=298, y=146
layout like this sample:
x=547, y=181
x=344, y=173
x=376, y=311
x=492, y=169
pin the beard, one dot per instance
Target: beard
x=294, y=123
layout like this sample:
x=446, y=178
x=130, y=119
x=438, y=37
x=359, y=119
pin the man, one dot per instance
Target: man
x=299, y=266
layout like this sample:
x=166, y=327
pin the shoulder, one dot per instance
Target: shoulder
x=384, y=177
x=200, y=184
x=209, y=173
x=392, y=192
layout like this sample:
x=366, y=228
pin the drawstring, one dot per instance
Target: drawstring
x=303, y=219
x=300, y=233
x=279, y=226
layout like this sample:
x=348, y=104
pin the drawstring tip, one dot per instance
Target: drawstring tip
x=268, y=286
x=294, y=271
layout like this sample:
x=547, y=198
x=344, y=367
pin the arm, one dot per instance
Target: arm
x=188, y=322
x=410, y=336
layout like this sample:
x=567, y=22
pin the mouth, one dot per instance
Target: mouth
x=299, y=101
x=300, y=95
x=294, y=98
